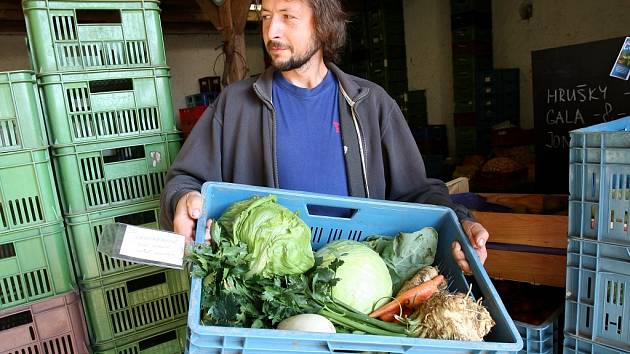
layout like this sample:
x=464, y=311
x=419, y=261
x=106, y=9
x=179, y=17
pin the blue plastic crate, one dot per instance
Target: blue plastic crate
x=201, y=99
x=597, y=302
x=371, y=217
x=599, y=182
x=542, y=338
x=574, y=345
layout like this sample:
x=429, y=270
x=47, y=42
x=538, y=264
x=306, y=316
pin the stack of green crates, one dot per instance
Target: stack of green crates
x=102, y=71
x=34, y=259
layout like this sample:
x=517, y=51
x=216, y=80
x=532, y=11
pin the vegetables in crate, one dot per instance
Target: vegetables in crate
x=278, y=240
x=405, y=253
x=450, y=316
x=409, y=299
x=364, y=281
x=260, y=271
x=307, y=323
x=233, y=295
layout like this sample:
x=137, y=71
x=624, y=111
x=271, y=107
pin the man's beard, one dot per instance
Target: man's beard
x=294, y=62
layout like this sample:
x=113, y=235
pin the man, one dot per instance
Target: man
x=305, y=125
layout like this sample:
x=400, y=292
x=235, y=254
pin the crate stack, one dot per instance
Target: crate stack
x=102, y=73
x=386, y=41
x=597, y=308
x=355, y=58
x=498, y=97
x=471, y=25
x=39, y=305
x=196, y=104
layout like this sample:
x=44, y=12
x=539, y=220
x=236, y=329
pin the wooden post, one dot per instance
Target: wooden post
x=230, y=19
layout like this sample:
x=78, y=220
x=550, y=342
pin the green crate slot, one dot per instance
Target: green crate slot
x=34, y=264
x=116, y=308
x=109, y=105
x=114, y=174
x=85, y=230
x=163, y=339
x=35, y=201
x=94, y=35
x=21, y=117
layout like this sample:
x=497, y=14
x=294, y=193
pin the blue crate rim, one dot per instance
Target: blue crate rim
x=621, y=125
x=568, y=335
x=194, y=313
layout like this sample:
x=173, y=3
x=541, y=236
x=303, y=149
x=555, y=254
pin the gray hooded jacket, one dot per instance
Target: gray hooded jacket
x=234, y=141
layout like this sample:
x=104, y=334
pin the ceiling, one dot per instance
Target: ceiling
x=178, y=16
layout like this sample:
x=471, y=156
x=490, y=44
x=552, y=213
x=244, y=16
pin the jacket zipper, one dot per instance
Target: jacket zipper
x=273, y=136
x=362, y=146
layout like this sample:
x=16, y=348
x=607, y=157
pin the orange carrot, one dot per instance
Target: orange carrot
x=391, y=316
x=409, y=299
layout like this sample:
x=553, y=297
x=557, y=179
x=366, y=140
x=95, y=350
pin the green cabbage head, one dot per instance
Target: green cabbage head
x=277, y=239
x=364, y=281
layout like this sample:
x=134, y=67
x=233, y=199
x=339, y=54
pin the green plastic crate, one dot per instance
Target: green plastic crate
x=93, y=35
x=34, y=264
x=84, y=232
x=164, y=339
x=27, y=190
x=104, y=175
x=21, y=118
x=119, y=306
x=108, y=105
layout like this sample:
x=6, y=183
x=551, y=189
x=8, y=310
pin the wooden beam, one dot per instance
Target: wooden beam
x=10, y=5
x=11, y=15
x=13, y=27
x=184, y=16
x=534, y=268
x=211, y=11
x=240, y=10
x=525, y=229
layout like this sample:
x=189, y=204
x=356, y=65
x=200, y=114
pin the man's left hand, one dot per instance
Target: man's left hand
x=478, y=236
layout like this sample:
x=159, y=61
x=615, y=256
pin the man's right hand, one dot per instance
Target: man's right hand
x=187, y=212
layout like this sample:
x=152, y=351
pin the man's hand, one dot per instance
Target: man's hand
x=187, y=212
x=478, y=237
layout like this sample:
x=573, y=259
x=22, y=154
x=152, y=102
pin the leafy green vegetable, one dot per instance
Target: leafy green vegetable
x=229, y=298
x=406, y=253
x=278, y=240
x=364, y=279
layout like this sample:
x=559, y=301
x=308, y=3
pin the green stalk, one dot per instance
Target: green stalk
x=348, y=312
x=361, y=326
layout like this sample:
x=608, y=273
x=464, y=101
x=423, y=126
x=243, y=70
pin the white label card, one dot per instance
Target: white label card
x=153, y=245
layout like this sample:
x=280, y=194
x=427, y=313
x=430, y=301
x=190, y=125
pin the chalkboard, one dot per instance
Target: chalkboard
x=572, y=89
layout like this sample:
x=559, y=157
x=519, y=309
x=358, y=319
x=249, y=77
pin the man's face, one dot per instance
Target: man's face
x=288, y=32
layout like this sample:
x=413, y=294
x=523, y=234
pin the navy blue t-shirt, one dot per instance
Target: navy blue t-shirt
x=308, y=140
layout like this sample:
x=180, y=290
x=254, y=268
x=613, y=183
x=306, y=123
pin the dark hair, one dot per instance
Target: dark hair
x=330, y=26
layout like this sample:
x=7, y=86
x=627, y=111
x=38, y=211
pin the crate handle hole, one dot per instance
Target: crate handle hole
x=146, y=282
x=16, y=320
x=157, y=340
x=330, y=211
x=98, y=17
